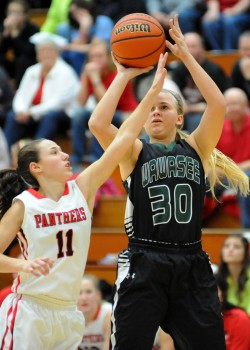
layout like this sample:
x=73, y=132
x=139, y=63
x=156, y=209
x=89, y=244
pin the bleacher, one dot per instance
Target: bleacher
x=108, y=235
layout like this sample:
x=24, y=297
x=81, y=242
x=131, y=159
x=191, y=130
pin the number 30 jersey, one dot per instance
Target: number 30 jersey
x=165, y=195
x=59, y=230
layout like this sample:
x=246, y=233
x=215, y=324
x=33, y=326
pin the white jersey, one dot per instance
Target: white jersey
x=58, y=230
x=93, y=338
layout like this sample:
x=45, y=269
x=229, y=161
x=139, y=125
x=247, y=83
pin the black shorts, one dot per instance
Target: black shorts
x=173, y=288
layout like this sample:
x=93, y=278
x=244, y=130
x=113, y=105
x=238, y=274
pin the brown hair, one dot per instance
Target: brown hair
x=15, y=181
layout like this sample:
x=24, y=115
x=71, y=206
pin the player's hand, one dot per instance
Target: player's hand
x=38, y=266
x=130, y=71
x=179, y=49
x=160, y=73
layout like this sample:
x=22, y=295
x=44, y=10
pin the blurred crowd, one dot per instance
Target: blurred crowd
x=53, y=75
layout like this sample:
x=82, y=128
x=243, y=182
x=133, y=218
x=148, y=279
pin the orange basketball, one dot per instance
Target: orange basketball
x=137, y=40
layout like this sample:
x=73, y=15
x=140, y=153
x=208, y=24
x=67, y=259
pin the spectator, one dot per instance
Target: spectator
x=224, y=21
x=235, y=140
x=97, y=314
x=189, y=12
x=57, y=13
x=236, y=322
x=17, y=53
x=241, y=70
x=195, y=103
x=234, y=271
x=46, y=96
x=6, y=96
x=96, y=77
x=84, y=25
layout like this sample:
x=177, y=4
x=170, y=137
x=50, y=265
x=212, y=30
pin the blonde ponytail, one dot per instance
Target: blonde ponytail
x=221, y=166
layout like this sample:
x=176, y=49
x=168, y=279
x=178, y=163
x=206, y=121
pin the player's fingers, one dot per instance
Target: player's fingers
x=39, y=267
x=44, y=267
x=175, y=31
x=169, y=45
x=162, y=60
x=147, y=69
x=176, y=22
x=49, y=261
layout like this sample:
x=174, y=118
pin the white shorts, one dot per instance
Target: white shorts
x=29, y=325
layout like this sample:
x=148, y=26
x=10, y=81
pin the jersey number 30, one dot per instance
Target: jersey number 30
x=162, y=204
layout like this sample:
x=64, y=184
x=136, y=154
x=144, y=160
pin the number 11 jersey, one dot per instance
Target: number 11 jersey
x=59, y=230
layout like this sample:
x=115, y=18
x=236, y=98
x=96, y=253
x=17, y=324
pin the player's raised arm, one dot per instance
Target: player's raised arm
x=207, y=134
x=121, y=147
x=100, y=122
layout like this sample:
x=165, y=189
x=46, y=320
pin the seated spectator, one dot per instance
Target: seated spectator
x=97, y=314
x=240, y=75
x=84, y=25
x=57, y=14
x=96, y=77
x=234, y=271
x=195, y=103
x=189, y=13
x=236, y=322
x=223, y=22
x=17, y=53
x=6, y=96
x=235, y=140
x=46, y=96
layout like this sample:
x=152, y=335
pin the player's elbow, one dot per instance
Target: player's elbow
x=93, y=125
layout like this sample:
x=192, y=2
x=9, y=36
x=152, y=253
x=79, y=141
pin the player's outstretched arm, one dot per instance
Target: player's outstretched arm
x=207, y=134
x=100, y=122
x=126, y=138
x=9, y=226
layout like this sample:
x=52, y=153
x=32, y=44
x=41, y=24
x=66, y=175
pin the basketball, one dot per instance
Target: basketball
x=137, y=40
